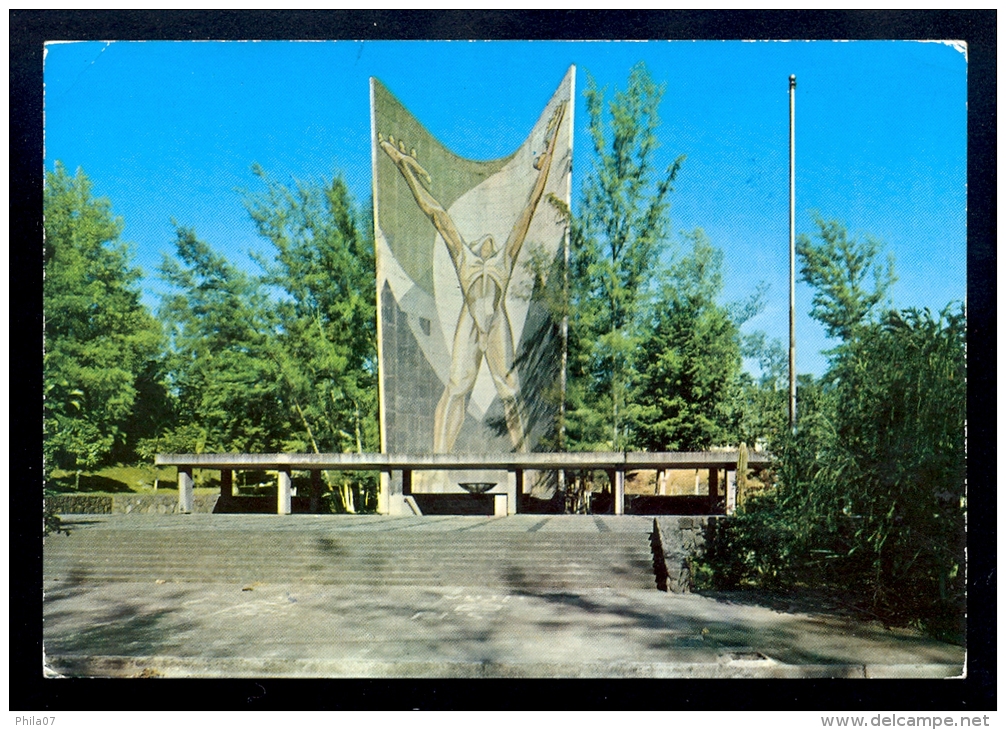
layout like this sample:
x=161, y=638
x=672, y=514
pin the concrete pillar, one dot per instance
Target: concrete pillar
x=742, y=472
x=731, y=491
x=185, y=489
x=395, y=500
x=283, y=506
x=501, y=504
x=619, y=492
x=714, y=488
x=226, y=483
x=315, y=491
x=514, y=488
x=384, y=494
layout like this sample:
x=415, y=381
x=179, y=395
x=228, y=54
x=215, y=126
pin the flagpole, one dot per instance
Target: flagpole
x=792, y=252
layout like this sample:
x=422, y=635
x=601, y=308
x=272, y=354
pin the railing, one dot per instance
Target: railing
x=391, y=501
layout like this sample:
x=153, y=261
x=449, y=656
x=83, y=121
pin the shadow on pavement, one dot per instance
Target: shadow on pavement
x=798, y=636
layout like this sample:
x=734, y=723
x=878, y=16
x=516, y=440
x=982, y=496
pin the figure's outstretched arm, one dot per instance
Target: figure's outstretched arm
x=542, y=164
x=412, y=171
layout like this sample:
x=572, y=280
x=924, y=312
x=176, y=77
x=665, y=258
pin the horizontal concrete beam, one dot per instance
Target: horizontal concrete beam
x=691, y=459
x=387, y=462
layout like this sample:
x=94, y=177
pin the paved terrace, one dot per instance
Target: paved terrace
x=374, y=596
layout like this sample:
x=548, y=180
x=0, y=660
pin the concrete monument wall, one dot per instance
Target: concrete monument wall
x=470, y=355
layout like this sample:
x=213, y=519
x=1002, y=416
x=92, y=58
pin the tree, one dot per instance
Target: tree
x=325, y=341
x=901, y=389
x=762, y=400
x=615, y=245
x=840, y=269
x=874, y=491
x=101, y=344
x=869, y=496
x=229, y=390
x=691, y=359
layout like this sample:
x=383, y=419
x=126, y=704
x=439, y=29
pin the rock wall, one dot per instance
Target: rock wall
x=163, y=504
x=675, y=540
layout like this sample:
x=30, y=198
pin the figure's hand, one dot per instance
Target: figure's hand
x=406, y=161
x=551, y=133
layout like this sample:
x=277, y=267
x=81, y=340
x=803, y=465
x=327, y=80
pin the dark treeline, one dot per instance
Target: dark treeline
x=868, y=495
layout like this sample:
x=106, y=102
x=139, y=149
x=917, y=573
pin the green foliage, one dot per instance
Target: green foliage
x=868, y=496
x=115, y=479
x=902, y=390
x=754, y=547
x=101, y=344
x=840, y=269
x=615, y=247
x=229, y=391
x=871, y=489
x=691, y=359
x=324, y=341
x=656, y=367
x=760, y=406
x=186, y=438
x=284, y=362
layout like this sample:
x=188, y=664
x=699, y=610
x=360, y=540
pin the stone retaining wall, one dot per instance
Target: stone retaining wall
x=127, y=503
x=678, y=540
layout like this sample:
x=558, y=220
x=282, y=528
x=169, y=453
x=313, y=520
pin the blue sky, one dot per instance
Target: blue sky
x=170, y=130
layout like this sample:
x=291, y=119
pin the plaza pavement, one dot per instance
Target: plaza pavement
x=369, y=596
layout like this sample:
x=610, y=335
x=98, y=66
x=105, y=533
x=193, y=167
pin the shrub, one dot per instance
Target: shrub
x=870, y=494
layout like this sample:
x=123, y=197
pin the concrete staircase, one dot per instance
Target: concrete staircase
x=252, y=596
x=524, y=553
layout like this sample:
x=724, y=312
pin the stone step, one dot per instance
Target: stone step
x=509, y=575
x=412, y=553
x=521, y=581
x=427, y=545
x=375, y=532
x=456, y=553
x=377, y=558
x=386, y=561
x=314, y=565
x=66, y=569
x=249, y=540
x=529, y=581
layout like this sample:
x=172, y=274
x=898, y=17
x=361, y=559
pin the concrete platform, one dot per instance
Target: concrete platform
x=151, y=624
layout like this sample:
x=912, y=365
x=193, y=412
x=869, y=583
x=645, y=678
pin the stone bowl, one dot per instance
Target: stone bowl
x=477, y=487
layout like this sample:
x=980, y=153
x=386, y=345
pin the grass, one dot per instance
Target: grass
x=123, y=478
x=139, y=479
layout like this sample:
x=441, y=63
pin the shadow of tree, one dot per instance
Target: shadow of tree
x=820, y=639
x=73, y=585
x=809, y=602
x=88, y=483
x=125, y=629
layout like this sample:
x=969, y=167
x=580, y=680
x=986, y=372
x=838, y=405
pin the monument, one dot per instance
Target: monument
x=470, y=356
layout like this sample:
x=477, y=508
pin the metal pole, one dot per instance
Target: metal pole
x=792, y=252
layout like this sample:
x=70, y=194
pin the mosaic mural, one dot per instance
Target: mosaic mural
x=470, y=355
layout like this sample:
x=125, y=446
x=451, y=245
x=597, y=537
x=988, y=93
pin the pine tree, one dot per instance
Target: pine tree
x=325, y=342
x=840, y=269
x=691, y=359
x=229, y=390
x=615, y=246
